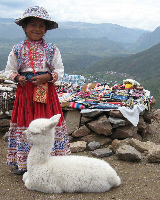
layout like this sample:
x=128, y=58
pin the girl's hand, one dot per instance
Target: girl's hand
x=21, y=80
x=39, y=79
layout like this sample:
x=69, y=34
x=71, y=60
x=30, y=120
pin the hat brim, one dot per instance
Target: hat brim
x=51, y=24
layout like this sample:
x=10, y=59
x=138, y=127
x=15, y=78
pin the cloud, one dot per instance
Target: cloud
x=144, y=14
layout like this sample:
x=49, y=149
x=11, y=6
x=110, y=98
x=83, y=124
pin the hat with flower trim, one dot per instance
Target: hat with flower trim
x=39, y=12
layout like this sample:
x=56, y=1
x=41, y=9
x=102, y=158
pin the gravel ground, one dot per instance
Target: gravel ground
x=140, y=180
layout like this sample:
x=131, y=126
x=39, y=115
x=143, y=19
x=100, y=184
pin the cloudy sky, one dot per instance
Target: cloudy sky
x=143, y=14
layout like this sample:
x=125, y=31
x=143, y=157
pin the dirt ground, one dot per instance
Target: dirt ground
x=140, y=180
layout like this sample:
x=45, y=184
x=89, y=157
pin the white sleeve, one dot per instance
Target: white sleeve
x=11, y=68
x=57, y=63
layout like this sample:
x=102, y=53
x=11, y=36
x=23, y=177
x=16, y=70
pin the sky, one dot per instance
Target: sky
x=142, y=14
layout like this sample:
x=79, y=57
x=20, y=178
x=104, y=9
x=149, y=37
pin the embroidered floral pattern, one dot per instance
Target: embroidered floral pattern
x=40, y=46
x=40, y=93
x=37, y=52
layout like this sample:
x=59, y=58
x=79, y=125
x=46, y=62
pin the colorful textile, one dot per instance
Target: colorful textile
x=38, y=50
x=100, y=96
x=40, y=93
x=40, y=12
x=76, y=105
x=24, y=111
x=51, y=62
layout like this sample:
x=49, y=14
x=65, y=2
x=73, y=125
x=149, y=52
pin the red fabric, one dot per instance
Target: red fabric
x=25, y=109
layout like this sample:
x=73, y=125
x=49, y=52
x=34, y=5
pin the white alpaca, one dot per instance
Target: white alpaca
x=57, y=174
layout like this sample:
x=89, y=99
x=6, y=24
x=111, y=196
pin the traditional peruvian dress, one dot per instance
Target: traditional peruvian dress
x=32, y=102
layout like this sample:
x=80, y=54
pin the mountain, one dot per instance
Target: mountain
x=143, y=67
x=146, y=41
x=9, y=29
x=87, y=30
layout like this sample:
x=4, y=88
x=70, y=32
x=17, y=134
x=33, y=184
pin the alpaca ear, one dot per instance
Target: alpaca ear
x=52, y=122
x=55, y=118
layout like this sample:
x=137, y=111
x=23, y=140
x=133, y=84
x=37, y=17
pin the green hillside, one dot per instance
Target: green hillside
x=143, y=67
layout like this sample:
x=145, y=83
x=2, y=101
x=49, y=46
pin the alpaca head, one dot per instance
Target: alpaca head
x=40, y=128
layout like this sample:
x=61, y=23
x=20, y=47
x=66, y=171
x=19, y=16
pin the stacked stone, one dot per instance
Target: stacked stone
x=101, y=132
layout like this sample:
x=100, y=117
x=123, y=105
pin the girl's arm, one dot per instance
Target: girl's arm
x=58, y=65
x=11, y=68
x=11, y=71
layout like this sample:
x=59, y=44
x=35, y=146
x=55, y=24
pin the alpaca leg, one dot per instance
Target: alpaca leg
x=58, y=190
x=28, y=184
x=25, y=176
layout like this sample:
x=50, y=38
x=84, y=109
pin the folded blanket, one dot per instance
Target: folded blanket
x=132, y=115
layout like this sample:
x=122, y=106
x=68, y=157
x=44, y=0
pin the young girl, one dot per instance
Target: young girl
x=35, y=65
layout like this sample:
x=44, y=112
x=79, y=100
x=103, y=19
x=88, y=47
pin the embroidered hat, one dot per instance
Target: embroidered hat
x=39, y=12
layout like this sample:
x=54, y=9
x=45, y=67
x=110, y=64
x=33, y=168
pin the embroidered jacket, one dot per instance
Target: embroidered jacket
x=46, y=57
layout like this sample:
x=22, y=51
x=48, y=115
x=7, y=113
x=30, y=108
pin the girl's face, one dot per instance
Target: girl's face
x=35, y=29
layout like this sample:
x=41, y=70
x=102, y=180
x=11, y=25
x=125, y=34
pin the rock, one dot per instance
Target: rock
x=71, y=139
x=153, y=103
x=101, y=126
x=78, y=146
x=124, y=132
x=5, y=122
x=116, y=122
x=91, y=113
x=100, y=153
x=137, y=136
x=3, y=130
x=148, y=116
x=138, y=145
x=142, y=127
x=118, y=143
x=72, y=119
x=116, y=113
x=157, y=116
x=154, y=154
x=150, y=129
x=85, y=119
x=5, y=137
x=102, y=139
x=3, y=115
x=128, y=153
x=141, y=146
x=93, y=145
x=82, y=131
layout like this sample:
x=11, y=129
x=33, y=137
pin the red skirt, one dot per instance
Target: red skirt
x=24, y=111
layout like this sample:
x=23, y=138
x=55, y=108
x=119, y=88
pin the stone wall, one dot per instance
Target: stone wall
x=97, y=126
x=107, y=133
x=103, y=127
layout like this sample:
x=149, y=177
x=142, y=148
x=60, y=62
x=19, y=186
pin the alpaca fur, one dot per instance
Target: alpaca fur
x=57, y=174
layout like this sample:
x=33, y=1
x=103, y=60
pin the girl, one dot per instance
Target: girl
x=35, y=65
